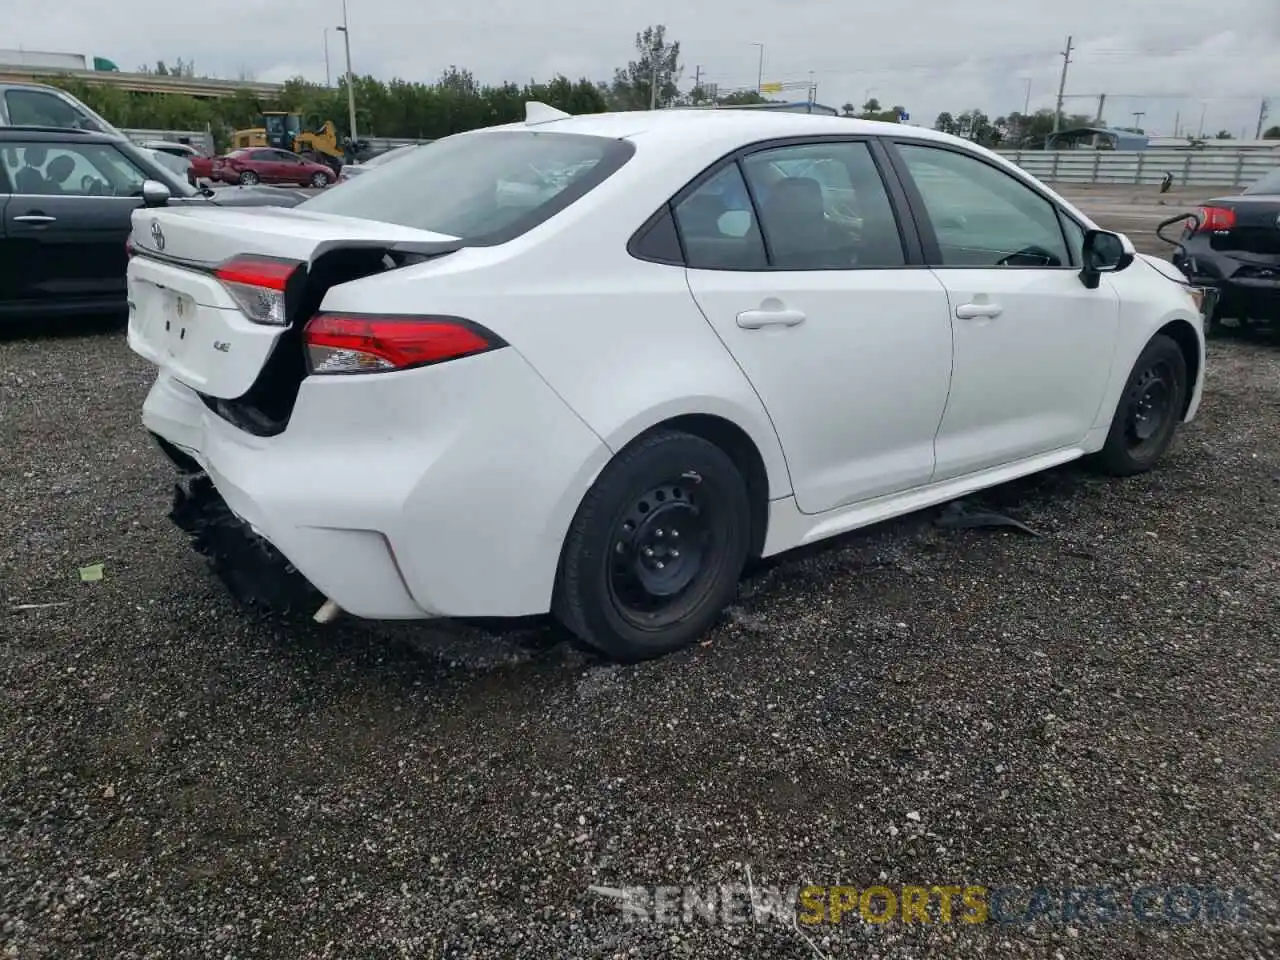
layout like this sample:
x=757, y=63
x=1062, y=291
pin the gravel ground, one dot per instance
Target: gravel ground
x=908, y=705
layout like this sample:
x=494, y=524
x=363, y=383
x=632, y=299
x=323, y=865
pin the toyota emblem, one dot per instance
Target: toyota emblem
x=157, y=235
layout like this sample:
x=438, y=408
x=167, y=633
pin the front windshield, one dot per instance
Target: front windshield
x=487, y=187
x=1268, y=185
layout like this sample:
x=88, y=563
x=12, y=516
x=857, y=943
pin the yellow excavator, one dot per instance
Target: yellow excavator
x=314, y=139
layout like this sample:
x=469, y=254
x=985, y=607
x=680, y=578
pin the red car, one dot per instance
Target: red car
x=268, y=165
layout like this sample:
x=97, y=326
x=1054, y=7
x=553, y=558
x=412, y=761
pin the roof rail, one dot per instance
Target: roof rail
x=536, y=113
x=38, y=128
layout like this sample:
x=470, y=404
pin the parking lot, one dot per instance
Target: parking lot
x=1095, y=706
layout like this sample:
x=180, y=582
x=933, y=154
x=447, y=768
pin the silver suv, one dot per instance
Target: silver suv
x=35, y=105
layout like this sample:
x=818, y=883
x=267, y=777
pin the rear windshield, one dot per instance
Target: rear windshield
x=1270, y=184
x=485, y=188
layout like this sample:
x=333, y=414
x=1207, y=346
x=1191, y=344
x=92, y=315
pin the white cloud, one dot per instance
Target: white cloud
x=1161, y=57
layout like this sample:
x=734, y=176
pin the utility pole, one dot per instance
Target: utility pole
x=1102, y=102
x=328, y=77
x=1203, y=108
x=1137, y=118
x=1177, y=123
x=697, y=78
x=1062, y=87
x=1026, y=103
x=351, y=87
x=760, y=67
x=1262, y=118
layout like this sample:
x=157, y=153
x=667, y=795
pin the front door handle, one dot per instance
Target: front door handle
x=755, y=319
x=972, y=311
x=37, y=218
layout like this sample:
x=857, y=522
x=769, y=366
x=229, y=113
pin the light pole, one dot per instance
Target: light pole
x=1026, y=103
x=351, y=89
x=328, y=77
x=760, y=68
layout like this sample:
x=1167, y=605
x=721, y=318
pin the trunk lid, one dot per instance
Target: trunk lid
x=186, y=321
x=1257, y=225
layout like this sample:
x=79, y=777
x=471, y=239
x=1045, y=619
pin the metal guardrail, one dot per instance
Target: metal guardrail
x=1190, y=168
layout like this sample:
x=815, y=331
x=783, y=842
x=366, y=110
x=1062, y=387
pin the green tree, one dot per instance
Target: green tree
x=1271, y=133
x=848, y=109
x=946, y=123
x=740, y=98
x=653, y=77
x=1223, y=135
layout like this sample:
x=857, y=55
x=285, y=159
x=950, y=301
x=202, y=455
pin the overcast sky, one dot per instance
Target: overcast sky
x=1163, y=57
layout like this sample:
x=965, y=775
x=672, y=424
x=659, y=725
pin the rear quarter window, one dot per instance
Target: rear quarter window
x=486, y=188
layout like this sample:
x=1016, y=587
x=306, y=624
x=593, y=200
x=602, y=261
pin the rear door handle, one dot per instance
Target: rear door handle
x=35, y=218
x=755, y=319
x=972, y=311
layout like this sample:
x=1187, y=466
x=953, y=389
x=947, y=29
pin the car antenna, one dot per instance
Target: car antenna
x=536, y=112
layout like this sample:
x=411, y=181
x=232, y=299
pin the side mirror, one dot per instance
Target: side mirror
x=154, y=193
x=1104, y=252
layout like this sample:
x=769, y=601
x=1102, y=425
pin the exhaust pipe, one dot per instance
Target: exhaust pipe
x=328, y=612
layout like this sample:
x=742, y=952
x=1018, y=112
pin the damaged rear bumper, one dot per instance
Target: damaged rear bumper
x=255, y=572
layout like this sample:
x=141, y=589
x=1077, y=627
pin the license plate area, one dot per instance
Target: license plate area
x=178, y=314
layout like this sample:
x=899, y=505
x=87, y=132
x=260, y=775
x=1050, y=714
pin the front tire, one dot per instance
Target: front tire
x=248, y=179
x=319, y=180
x=1149, y=410
x=656, y=548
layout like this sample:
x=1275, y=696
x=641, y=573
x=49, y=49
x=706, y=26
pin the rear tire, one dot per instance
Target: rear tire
x=248, y=179
x=656, y=548
x=319, y=180
x=1149, y=411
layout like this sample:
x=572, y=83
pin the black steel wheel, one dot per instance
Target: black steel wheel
x=656, y=548
x=1149, y=411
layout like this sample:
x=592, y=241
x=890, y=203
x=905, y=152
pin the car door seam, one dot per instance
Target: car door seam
x=791, y=487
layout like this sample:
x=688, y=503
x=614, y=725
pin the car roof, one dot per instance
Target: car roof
x=55, y=135
x=720, y=124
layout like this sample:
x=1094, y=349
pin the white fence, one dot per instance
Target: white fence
x=202, y=140
x=1190, y=168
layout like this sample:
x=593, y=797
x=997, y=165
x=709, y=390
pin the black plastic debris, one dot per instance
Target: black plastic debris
x=959, y=515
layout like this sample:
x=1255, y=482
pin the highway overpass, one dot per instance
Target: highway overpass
x=141, y=82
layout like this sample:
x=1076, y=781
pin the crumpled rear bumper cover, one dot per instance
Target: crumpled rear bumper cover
x=255, y=573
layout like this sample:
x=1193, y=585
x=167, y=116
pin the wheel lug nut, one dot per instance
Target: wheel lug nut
x=648, y=551
x=675, y=534
x=657, y=533
x=659, y=564
x=675, y=553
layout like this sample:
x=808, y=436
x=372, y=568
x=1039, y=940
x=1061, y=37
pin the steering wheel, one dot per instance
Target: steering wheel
x=1030, y=256
x=89, y=185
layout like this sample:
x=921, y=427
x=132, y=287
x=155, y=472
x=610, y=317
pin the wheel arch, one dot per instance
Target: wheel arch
x=753, y=447
x=1182, y=333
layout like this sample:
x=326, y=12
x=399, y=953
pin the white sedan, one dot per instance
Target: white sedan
x=590, y=365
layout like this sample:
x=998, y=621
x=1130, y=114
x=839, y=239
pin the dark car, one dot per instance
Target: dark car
x=255, y=165
x=66, y=199
x=1236, y=249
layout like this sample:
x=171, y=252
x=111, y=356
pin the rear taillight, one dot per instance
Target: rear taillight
x=1217, y=218
x=257, y=284
x=128, y=247
x=363, y=343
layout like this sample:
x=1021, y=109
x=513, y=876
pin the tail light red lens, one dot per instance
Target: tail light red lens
x=257, y=284
x=1217, y=218
x=364, y=343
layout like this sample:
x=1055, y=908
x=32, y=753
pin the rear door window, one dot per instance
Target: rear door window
x=485, y=188
x=718, y=227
